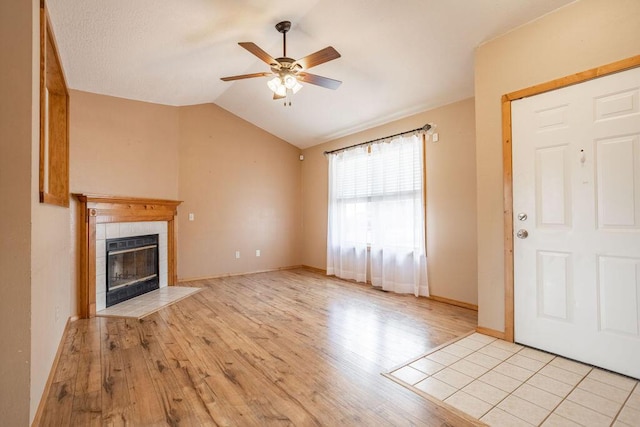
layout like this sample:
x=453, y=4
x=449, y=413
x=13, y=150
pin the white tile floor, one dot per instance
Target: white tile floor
x=506, y=384
x=148, y=303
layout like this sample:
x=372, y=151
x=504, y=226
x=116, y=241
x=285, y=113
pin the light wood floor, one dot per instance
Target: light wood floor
x=283, y=348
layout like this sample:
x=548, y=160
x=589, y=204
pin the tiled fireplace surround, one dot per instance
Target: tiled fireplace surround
x=106, y=217
x=114, y=230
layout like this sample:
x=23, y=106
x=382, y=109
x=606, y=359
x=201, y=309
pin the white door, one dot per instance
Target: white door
x=576, y=178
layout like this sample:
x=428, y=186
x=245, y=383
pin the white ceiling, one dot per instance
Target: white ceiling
x=398, y=57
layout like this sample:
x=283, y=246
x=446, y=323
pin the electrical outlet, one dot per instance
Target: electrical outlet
x=237, y=254
x=257, y=252
x=435, y=137
x=191, y=217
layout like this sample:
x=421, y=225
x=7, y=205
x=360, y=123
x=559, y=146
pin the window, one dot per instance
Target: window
x=376, y=214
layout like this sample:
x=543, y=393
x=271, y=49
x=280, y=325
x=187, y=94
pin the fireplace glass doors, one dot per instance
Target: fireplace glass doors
x=132, y=267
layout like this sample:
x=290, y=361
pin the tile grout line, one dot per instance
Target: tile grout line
x=474, y=379
x=584, y=376
x=591, y=368
x=521, y=384
x=565, y=397
x=624, y=404
x=552, y=411
x=490, y=370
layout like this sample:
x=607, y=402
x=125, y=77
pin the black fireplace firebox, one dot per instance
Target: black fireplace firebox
x=132, y=267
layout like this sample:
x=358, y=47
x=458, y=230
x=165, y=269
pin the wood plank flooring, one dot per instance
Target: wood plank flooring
x=281, y=348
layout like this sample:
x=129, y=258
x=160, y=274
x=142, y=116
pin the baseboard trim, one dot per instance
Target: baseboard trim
x=314, y=269
x=457, y=303
x=490, y=332
x=218, y=276
x=37, y=419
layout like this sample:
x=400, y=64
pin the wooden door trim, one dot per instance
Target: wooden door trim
x=507, y=167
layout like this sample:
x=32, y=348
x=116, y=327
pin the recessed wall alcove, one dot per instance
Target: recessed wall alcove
x=99, y=209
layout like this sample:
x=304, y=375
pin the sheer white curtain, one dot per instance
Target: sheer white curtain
x=347, y=229
x=376, y=227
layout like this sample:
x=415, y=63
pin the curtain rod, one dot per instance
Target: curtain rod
x=424, y=128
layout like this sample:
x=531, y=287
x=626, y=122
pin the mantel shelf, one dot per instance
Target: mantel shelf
x=98, y=198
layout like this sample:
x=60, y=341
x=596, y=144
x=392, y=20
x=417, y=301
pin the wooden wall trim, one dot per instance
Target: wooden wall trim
x=604, y=70
x=37, y=419
x=457, y=303
x=315, y=269
x=54, y=120
x=246, y=273
x=507, y=179
x=172, y=266
x=507, y=175
x=99, y=209
x=121, y=200
x=490, y=332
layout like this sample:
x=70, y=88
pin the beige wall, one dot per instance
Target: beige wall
x=243, y=186
x=52, y=292
x=16, y=144
x=242, y=183
x=123, y=148
x=451, y=198
x=34, y=253
x=581, y=36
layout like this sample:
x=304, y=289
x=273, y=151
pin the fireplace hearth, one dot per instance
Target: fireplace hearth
x=132, y=267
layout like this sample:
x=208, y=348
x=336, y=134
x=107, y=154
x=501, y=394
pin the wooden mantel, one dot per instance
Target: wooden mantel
x=98, y=209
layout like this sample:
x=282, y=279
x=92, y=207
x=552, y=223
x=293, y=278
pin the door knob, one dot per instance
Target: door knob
x=522, y=234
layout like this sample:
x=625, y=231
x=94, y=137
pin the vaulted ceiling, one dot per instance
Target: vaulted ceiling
x=398, y=57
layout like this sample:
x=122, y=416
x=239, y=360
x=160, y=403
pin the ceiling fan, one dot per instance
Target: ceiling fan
x=287, y=72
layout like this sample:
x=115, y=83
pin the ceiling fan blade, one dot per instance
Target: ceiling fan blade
x=244, y=76
x=320, y=57
x=276, y=96
x=253, y=48
x=320, y=81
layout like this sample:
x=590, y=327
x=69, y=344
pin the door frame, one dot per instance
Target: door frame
x=507, y=167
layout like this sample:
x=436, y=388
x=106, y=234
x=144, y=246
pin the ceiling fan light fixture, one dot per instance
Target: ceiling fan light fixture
x=275, y=84
x=296, y=87
x=289, y=81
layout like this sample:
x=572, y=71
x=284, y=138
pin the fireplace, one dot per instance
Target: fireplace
x=132, y=267
x=111, y=217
